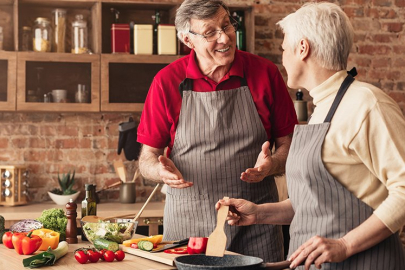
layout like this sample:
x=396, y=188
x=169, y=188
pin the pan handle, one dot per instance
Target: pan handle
x=277, y=265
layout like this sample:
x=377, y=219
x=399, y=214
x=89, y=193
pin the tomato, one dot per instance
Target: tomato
x=134, y=245
x=109, y=256
x=197, y=245
x=93, y=255
x=119, y=255
x=81, y=256
x=101, y=252
x=176, y=251
x=7, y=239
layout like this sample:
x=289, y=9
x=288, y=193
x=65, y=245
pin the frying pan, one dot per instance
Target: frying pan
x=203, y=262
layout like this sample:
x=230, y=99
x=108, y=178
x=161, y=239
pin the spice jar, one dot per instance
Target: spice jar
x=42, y=35
x=59, y=26
x=79, y=35
x=26, y=39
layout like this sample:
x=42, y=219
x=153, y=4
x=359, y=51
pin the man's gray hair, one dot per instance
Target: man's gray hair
x=327, y=29
x=196, y=9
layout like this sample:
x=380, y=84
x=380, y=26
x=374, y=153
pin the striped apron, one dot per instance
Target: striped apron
x=219, y=135
x=326, y=208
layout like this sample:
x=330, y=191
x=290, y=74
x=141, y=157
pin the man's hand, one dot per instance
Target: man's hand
x=241, y=212
x=262, y=167
x=170, y=175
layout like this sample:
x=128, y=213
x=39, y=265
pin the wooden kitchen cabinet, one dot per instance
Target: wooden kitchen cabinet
x=117, y=82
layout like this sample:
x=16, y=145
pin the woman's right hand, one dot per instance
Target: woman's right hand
x=170, y=175
x=241, y=212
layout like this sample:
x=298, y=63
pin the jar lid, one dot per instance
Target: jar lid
x=26, y=28
x=41, y=19
x=59, y=10
x=79, y=21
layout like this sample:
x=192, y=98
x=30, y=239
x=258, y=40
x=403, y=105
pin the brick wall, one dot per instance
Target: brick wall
x=50, y=142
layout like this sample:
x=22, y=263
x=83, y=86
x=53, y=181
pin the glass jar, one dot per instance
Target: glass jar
x=42, y=35
x=79, y=35
x=26, y=39
x=59, y=29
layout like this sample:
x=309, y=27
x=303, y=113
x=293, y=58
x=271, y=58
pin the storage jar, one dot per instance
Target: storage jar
x=59, y=26
x=42, y=35
x=143, y=39
x=79, y=35
x=166, y=39
x=26, y=38
x=120, y=38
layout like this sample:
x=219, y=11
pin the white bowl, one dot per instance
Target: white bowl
x=63, y=199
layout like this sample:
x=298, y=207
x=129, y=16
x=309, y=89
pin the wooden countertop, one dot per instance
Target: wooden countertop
x=9, y=259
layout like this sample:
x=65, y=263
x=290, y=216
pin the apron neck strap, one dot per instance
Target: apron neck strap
x=186, y=85
x=342, y=90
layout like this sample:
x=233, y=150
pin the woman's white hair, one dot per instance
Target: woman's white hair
x=327, y=29
x=195, y=9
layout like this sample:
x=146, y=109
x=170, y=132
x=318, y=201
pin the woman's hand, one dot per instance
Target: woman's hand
x=241, y=212
x=170, y=175
x=318, y=250
x=262, y=167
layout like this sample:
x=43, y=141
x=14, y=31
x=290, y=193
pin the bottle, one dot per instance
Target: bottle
x=59, y=26
x=300, y=106
x=42, y=35
x=79, y=35
x=89, y=204
x=26, y=39
x=71, y=227
x=240, y=31
x=156, y=17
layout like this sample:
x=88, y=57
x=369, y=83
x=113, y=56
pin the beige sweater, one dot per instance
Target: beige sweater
x=364, y=148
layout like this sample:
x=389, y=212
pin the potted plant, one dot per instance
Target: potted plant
x=62, y=195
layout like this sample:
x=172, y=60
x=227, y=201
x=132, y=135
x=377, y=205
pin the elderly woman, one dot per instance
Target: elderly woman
x=345, y=169
x=215, y=110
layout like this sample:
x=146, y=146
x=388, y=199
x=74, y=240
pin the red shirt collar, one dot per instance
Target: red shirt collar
x=194, y=72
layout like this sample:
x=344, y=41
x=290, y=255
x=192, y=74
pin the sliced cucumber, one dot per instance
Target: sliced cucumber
x=145, y=245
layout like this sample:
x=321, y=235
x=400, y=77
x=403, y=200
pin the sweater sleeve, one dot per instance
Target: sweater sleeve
x=380, y=145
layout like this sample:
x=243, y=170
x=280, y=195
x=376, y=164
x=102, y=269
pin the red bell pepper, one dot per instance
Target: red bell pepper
x=176, y=251
x=197, y=245
x=26, y=244
x=7, y=239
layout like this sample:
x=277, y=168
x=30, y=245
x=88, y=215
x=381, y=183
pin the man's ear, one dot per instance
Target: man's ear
x=187, y=41
x=304, y=49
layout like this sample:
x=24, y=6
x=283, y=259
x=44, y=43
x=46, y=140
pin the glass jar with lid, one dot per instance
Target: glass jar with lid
x=79, y=35
x=26, y=39
x=59, y=29
x=42, y=35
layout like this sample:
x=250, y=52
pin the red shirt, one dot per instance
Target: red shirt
x=157, y=127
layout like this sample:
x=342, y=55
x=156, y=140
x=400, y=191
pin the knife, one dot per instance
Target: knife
x=169, y=246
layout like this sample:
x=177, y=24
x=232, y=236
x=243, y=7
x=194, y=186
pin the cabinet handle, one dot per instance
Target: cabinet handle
x=148, y=221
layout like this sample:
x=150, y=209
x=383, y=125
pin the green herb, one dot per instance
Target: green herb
x=66, y=183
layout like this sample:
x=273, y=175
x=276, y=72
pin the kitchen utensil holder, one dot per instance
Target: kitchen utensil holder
x=13, y=185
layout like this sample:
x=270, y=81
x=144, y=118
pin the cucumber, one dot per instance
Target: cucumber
x=145, y=245
x=101, y=243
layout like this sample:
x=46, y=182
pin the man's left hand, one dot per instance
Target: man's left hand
x=262, y=167
x=318, y=250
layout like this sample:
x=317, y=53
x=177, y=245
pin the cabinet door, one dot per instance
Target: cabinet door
x=8, y=70
x=41, y=73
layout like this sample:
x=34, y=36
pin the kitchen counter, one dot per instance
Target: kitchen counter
x=152, y=215
x=9, y=259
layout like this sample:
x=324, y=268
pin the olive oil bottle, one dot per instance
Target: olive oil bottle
x=89, y=204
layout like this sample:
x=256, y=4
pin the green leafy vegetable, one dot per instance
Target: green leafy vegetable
x=115, y=232
x=48, y=257
x=55, y=220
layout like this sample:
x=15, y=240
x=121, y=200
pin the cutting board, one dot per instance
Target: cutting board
x=161, y=257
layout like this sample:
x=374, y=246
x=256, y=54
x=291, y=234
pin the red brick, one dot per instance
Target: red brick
x=374, y=49
x=382, y=3
x=3, y=143
x=381, y=62
x=398, y=96
x=392, y=27
x=400, y=3
x=383, y=38
x=399, y=62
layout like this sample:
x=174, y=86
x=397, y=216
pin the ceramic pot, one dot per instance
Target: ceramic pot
x=63, y=199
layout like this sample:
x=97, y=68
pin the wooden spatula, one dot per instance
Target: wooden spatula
x=217, y=239
x=120, y=170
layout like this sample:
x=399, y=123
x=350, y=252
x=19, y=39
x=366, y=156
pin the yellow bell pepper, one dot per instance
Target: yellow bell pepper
x=49, y=238
x=155, y=239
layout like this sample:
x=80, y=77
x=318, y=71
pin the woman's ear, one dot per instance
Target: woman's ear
x=304, y=49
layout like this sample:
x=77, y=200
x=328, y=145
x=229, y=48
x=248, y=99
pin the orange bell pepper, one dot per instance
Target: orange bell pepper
x=49, y=238
x=26, y=243
x=155, y=239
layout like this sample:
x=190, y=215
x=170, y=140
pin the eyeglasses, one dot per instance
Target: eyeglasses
x=215, y=35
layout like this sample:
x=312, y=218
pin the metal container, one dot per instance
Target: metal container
x=120, y=38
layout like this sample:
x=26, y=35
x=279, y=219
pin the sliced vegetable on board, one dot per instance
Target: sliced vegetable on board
x=176, y=251
x=48, y=257
x=155, y=239
x=197, y=245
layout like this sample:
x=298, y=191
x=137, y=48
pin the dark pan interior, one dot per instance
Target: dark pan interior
x=201, y=261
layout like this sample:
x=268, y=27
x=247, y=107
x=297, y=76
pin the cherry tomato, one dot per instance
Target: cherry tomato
x=134, y=245
x=93, y=256
x=101, y=252
x=176, y=251
x=109, y=256
x=119, y=255
x=81, y=256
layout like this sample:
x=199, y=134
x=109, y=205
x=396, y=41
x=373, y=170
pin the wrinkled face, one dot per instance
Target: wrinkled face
x=215, y=53
x=291, y=63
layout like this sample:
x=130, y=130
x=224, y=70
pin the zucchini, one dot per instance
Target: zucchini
x=101, y=243
x=145, y=245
